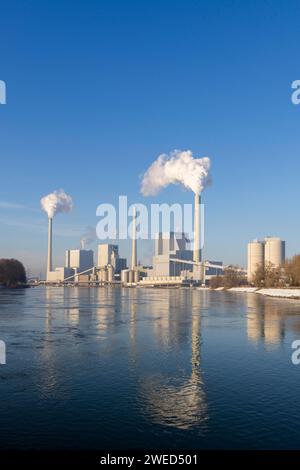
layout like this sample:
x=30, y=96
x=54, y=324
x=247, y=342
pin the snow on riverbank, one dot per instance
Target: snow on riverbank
x=288, y=293
x=243, y=289
x=283, y=293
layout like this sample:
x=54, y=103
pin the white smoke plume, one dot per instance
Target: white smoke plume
x=88, y=237
x=56, y=202
x=176, y=168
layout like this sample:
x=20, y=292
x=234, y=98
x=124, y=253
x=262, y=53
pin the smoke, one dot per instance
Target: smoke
x=56, y=202
x=88, y=237
x=177, y=167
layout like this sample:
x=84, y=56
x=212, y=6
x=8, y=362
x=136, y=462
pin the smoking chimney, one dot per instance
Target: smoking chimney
x=49, y=260
x=134, y=249
x=197, y=250
x=52, y=204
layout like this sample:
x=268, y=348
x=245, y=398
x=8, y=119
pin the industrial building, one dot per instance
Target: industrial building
x=79, y=265
x=169, y=247
x=270, y=251
x=59, y=274
x=213, y=268
x=79, y=260
x=108, y=254
x=173, y=262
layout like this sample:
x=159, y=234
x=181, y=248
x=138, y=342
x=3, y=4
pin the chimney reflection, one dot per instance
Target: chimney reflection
x=178, y=399
x=47, y=380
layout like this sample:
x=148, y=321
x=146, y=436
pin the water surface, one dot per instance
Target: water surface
x=119, y=368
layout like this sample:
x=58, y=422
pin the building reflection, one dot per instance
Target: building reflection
x=47, y=380
x=170, y=388
x=265, y=320
x=177, y=399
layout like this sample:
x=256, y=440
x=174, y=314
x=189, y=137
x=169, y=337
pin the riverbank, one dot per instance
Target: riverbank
x=271, y=292
x=20, y=285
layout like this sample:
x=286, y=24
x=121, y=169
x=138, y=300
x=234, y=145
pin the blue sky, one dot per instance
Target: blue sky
x=96, y=90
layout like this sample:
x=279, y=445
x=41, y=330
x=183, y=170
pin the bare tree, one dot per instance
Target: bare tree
x=233, y=277
x=216, y=281
x=292, y=271
x=268, y=276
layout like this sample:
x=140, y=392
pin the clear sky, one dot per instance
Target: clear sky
x=96, y=90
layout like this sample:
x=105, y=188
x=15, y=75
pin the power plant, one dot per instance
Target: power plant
x=79, y=260
x=267, y=252
x=174, y=263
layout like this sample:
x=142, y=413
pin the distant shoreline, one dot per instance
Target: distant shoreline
x=16, y=286
x=284, y=293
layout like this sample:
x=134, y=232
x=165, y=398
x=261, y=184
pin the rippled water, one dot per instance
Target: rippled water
x=148, y=368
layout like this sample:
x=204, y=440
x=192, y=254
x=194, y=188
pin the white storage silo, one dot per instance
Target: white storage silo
x=104, y=275
x=110, y=273
x=255, y=257
x=274, y=251
x=130, y=276
x=124, y=276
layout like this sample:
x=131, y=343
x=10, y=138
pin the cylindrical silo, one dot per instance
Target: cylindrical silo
x=136, y=276
x=124, y=276
x=110, y=273
x=255, y=257
x=104, y=275
x=130, y=276
x=274, y=251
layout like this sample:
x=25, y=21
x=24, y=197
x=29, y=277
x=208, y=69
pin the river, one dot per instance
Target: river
x=113, y=368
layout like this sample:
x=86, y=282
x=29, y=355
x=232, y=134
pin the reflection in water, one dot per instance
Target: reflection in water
x=169, y=394
x=265, y=320
x=175, y=400
x=71, y=311
x=104, y=367
x=133, y=325
x=47, y=380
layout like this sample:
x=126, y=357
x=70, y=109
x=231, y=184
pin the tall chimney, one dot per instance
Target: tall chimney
x=197, y=250
x=134, y=250
x=49, y=260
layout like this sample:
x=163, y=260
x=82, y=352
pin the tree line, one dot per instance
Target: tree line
x=232, y=277
x=12, y=273
x=287, y=275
